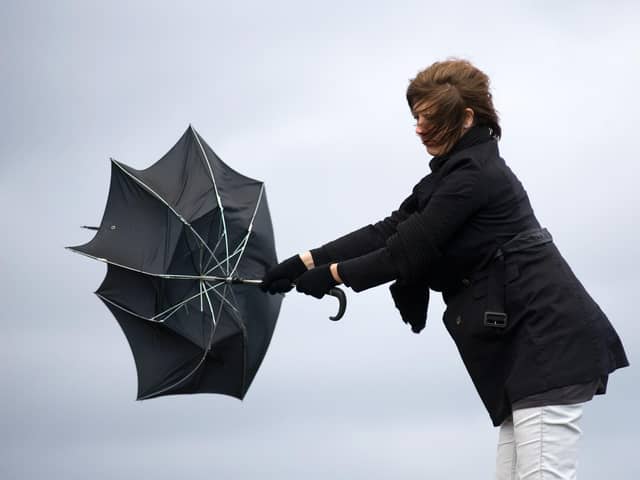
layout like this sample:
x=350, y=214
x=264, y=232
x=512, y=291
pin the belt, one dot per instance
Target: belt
x=495, y=315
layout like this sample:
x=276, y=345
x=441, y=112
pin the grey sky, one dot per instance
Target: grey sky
x=309, y=98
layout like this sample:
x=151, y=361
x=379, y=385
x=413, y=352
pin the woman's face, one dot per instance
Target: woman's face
x=422, y=113
x=422, y=127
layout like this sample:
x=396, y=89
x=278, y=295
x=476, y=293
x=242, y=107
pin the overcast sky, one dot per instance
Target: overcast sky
x=309, y=98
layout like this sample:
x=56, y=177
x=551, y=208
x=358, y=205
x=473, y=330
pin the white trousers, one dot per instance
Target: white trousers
x=539, y=443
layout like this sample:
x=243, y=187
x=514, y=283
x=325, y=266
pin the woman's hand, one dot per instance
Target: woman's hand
x=318, y=281
x=279, y=278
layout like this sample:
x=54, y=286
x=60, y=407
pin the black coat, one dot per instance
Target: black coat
x=445, y=236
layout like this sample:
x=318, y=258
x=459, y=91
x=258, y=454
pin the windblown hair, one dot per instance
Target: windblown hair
x=444, y=90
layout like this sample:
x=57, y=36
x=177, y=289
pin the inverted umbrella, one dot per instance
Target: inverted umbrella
x=186, y=242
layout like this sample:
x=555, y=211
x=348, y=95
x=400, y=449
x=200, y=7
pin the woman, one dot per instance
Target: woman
x=534, y=342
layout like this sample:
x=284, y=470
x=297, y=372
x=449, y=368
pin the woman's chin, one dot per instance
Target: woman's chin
x=432, y=150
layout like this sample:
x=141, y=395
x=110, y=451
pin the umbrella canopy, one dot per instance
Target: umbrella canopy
x=179, y=238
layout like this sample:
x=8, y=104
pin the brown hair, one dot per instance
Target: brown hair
x=445, y=89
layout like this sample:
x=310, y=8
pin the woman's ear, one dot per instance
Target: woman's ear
x=468, y=118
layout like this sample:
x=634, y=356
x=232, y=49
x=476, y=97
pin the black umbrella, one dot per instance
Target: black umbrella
x=186, y=242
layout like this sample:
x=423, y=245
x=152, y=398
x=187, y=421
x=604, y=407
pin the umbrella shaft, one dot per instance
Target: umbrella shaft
x=230, y=280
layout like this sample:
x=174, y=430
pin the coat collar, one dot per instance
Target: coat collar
x=476, y=135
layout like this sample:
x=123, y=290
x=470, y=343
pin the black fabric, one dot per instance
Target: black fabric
x=476, y=135
x=461, y=190
x=368, y=270
x=578, y=393
x=495, y=313
x=412, y=300
x=445, y=236
x=354, y=244
x=163, y=229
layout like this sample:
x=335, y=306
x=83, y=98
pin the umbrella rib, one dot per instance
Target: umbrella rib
x=249, y=229
x=154, y=319
x=222, y=297
x=219, y=263
x=243, y=243
x=214, y=249
x=211, y=251
x=191, y=254
x=215, y=187
x=203, y=292
x=236, y=311
x=213, y=316
x=159, y=275
x=156, y=195
x=176, y=307
x=238, y=250
x=130, y=312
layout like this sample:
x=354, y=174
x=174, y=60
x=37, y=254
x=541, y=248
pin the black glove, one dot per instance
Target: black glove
x=279, y=278
x=412, y=300
x=316, y=282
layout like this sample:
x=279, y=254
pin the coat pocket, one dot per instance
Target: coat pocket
x=464, y=317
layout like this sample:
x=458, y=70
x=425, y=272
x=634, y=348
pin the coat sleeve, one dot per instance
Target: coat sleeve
x=388, y=225
x=420, y=239
x=364, y=240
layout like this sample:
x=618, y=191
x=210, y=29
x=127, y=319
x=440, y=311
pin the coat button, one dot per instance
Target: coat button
x=466, y=282
x=458, y=320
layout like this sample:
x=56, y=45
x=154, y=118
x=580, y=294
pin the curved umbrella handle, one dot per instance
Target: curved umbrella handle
x=342, y=299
